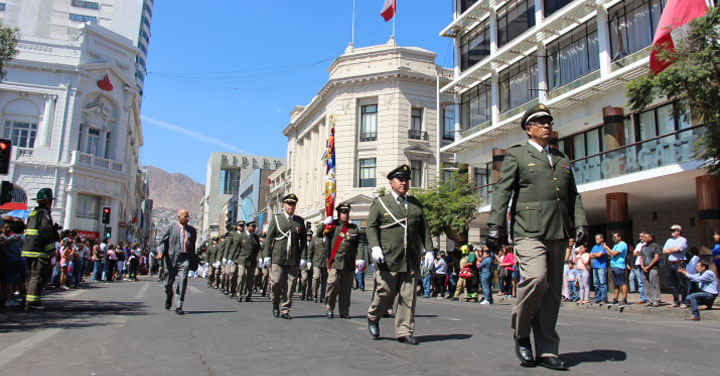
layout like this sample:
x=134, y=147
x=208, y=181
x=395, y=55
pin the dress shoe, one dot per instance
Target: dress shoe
x=410, y=340
x=329, y=314
x=286, y=316
x=552, y=362
x=374, y=328
x=168, y=301
x=389, y=315
x=179, y=311
x=276, y=311
x=316, y=299
x=302, y=297
x=523, y=350
x=248, y=299
x=344, y=316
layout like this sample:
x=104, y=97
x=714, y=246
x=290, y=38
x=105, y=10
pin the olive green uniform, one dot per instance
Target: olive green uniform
x=318, y=255
x=247, y=262
x=284, y=244
x=341, y=269
x=210, y=261
x=233, y=256
x=222, y=257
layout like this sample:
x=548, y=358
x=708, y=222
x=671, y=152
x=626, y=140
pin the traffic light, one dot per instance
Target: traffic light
x=106, y=215
x=108, y=232
x=6, y=192
x=5, y=151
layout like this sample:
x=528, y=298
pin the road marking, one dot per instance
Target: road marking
x=194, y=290
x=19, y=348
x=142, y=291
x=74, y=293
x=120, y=320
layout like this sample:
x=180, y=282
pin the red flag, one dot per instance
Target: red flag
x=388, y=10
x=677, y=13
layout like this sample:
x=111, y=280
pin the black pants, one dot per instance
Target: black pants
x=439, y=280
x=678, y=282
x=40, y=273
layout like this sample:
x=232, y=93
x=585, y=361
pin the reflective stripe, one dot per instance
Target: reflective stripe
x=32, y=213
x=34, y=254
x=31, y=231
x=50, y=247
x=32, y=298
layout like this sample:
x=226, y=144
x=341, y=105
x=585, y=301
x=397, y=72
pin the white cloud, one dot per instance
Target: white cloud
x=192, y=134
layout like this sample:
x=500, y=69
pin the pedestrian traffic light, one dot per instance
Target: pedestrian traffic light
x=106, y=215
x=108, y=232
x=5, y=150
x=6, y=192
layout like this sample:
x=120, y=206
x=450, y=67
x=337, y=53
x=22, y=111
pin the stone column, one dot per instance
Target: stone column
x=70, y=202
x=708, y=201
x=603, y=32
x=498, y=157
x=613, y=127
x=616, y=206
x=46, y=125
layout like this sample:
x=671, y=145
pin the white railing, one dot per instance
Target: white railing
x=91, y=161
x=23, y=153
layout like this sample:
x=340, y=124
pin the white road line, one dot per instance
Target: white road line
x=142, y=290
x=19, y=348
x=194, y=290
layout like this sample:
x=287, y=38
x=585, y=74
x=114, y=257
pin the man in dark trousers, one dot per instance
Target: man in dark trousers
x=39, y=246
x=178, y=249
x=343, y=242
x=546, y=210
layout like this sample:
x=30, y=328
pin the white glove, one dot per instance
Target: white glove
x=377, y=255
x=429, y=258
x=303, y=263
x=229, y=262
x=309, y=265
x=266, y=262
x=224, y=260
x=328, y=220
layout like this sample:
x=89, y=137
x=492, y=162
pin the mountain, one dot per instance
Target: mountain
x=174, y=191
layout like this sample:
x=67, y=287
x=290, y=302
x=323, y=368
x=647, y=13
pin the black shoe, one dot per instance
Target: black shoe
x=410, y=340
x=322, y=300
x=302, y=297
x=329, y=314
x=233, y=296
x=276, y=311
x=168, y=301
x=374, y=328
x=316, y=299
x=240, y=299
x=389, y=314
x=286, y=316
x=523, y=350
x=179, y=311
x=263, y=294
x=248, y=299
x=552, y=362
x=344, y=316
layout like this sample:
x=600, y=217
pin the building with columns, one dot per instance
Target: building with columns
x=636, y=170
x=385, y=104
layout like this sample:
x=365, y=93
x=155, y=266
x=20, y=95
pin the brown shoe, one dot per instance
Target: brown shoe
x=674, y=305
x=693, y=318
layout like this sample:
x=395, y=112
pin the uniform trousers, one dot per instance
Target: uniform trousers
x=319, y=281
x=391, y=284
x=538, y=295
x=210, y=275
x=40, y=273
x=246, y=278
x=282, y=284
x=306, y=285
x=233, y=278
x=339, y=282
x=179, y=271
x=459, y=288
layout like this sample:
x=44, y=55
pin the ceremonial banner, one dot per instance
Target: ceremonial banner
x=330, y=187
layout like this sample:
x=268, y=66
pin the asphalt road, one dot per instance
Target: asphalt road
x=122, y=328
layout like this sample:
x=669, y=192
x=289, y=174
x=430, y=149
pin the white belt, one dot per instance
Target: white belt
x=287, y=235
x=402, y=222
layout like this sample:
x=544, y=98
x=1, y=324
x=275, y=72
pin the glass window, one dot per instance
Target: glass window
x=367, y=172
x=518, y=83
x=573, y=55
x=368, y=122
x=82, y=18
x=2, y=7
x=552, y=6
x=632, y=25
x=107, y=145
x=416, y=174
x=93, y=140
x=229, y=182
x=514, y=18
x=449, y=122
x=474, y=46
x=147, y=8
x=476, y=106
x=466, y=4
x=87, y=206
x=85, y=4
x=416, y=119
x=21, y=133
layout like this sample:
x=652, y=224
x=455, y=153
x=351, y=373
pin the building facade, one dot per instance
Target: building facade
x=253, y=196
x=636, y=171
x=384, y=102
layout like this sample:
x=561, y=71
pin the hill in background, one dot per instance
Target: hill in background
x=171, y=192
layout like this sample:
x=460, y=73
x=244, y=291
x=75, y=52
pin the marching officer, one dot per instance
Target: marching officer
x=210, y=261
x=284, y=244
x=317, y=255
x=222, y=257
x=546, y=210
x=40, y=237
x=307, y=272
x=235, y=238
x=398, y=234
x=343, y=243
x=247, y=262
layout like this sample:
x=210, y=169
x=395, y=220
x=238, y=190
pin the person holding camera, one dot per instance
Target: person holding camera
x=707, y=286
x=40, y=237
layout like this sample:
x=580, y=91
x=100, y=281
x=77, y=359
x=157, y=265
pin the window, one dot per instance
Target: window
x=85, y=4
x=474, y=46
x=416, y=174
x=82, y=18
x=147, y=8
x=552, y=6
x=21, y=133
x=449, y=122
x=87, y=206
x=466, y=4
x=514, y=18
x=476, y=106
x=93, y=140
x=141, y=61
x=145, y=36
x=146, y=21
x=367, y=172
x=368, y=123
x=482, y=176
x=2, y=7
x=142, y=48
x=573, y=55
x=518, y=83
x=658, y=121
x=416, y=119
x=107, y=145
x=632, y=25
x=229, y=182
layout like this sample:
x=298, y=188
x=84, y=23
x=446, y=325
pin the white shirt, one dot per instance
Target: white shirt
x=540, y=149
x=288, y=216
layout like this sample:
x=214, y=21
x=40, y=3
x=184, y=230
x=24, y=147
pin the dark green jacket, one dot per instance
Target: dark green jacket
x=211, y=254
x=317, y=252
x=546, y=204
x=40, y=234
x=347, y=250
x=398, y=258
x=222, y=249
x=275, y=244
x=249, y=249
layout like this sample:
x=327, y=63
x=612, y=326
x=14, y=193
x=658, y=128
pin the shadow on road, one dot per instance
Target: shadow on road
x=595, y=356
x=205, y=312
x=442, y=337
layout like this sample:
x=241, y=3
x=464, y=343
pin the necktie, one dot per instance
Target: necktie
x=182, y=239
x=401, y=202
x=547, y=153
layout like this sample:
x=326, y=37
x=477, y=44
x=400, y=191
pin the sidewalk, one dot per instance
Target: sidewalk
x=640, y=309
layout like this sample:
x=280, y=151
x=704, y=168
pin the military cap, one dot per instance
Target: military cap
x=402, y=171
x=290, y=199
x=534, y=112
x=309, y=233
x=343, y=207
x=240, y=223
x=251, y=223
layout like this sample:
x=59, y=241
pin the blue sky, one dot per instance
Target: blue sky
x=223, y=75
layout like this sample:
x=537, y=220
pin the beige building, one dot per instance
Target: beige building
x=385, y=101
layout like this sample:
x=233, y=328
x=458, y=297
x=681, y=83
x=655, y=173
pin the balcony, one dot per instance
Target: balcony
x=23, y=154
x=418, y=135
x=367, y=137
x=97, y=163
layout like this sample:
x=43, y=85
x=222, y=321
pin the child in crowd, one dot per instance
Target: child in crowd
x=572, y=281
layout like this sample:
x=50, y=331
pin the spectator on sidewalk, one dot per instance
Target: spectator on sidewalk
x=716, y=251
x=637, y=273
x=440, y=275
x=486, y=273
x=599, y=265
x=427, y=276
x=506, y=259
x=675, y=248
x=707, y=288
x=618, y=254
x=16, y=270
x=570, y=253
x=582, y=263
x=572, y=282
x=693, y=256
x=66, y=256
x=359, y=275
x=462, y=283
x=452, y=260
x=472, y=286
x=649, y=263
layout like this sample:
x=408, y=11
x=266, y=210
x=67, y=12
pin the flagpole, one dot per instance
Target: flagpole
x=352, y=36
x=394, y=18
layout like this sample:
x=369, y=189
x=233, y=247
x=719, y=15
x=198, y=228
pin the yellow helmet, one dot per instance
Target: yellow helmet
x=464, y=249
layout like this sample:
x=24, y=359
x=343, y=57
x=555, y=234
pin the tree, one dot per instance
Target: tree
x=8, y=47
x=450, y=205
x=692, y=79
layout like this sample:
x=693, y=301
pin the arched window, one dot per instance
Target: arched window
x=20, y=123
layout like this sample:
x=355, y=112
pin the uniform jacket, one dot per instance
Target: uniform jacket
x=234, y=242
x=317, y=252
x=249, y=249
x=211, y=254
x=347, y=251
x=170, y=243
x=398, y=258
x=40, y=235
x=276, y=244
x=222, y=250
x=546, y=204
